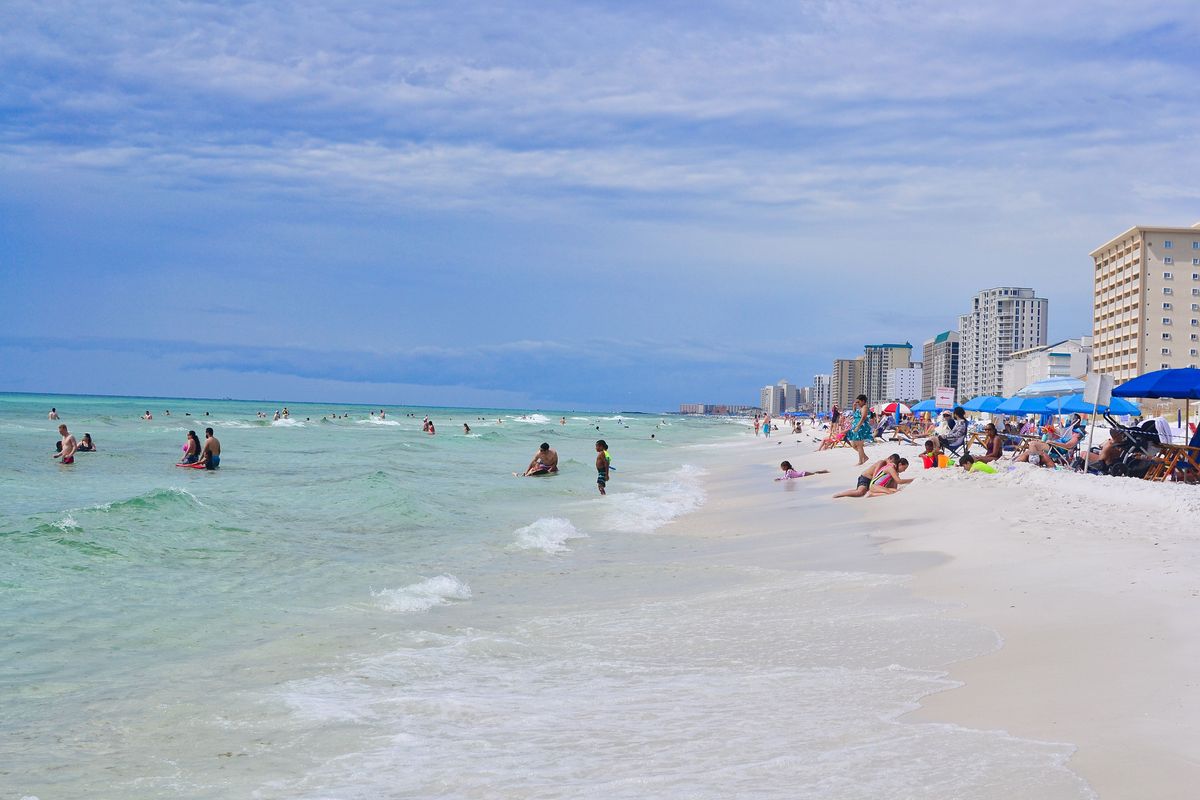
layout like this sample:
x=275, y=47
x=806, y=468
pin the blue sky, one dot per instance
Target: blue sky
x=585, y=205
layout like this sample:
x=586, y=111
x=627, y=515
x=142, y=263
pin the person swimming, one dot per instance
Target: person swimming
x=87, y=445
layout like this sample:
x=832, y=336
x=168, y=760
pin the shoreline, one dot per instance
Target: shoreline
x=1091, y=586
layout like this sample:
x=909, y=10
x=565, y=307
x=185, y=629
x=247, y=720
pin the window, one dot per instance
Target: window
x=1195, y=337
x=1166, y=320
x=1166, y=306
x=1195, y=292
x=1195, y=245
x=1195, y=306
x=1166, y=351
x=1164, y=366
x=1167, y=243
x=1168, y=276
x=1192, y=352
x=1168, y=260
x=1168, y=290
x=1166, y=336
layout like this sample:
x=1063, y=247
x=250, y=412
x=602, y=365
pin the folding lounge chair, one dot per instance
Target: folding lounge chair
x=1178, y=461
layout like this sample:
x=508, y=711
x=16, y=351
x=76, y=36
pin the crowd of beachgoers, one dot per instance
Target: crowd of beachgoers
x=1138, y=448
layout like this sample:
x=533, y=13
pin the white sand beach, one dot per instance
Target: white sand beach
x=1093, y=584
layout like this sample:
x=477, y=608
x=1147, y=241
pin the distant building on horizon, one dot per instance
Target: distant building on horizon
x=1070, y=358
x=879, y=360
x=940, y=358
x=718, y=409
x=1002, y=320
x=847, y=381
x=1146, y=301
x=904, y=385
x=770, y=400
x=820, y=390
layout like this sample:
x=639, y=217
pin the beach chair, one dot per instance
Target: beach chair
x=837, y=435
x=1180, y=462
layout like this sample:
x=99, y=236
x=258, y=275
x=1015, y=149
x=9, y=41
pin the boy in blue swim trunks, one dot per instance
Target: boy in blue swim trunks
x=602, y=464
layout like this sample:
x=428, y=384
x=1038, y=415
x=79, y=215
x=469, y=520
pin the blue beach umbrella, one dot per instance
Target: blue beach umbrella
x=1183, y=384
x=1024, y=405
x=1075, y=404
x=985, y=404
x=925, y=407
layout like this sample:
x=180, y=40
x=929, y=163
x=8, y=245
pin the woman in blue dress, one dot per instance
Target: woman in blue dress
x=860, y=430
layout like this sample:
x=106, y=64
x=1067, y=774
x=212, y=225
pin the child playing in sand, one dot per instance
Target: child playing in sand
x=972, y=464
x=789, y=472
x=933, y=449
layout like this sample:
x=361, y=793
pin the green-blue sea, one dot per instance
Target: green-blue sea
x=352, y=608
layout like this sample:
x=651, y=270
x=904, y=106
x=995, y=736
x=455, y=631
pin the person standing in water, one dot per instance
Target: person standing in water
x=53, y=415
x=210, y=457
x=466, y=428
x=69, y=446
x=603, y=465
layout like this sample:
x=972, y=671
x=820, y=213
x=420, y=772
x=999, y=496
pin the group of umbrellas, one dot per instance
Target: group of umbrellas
x=1065, y=396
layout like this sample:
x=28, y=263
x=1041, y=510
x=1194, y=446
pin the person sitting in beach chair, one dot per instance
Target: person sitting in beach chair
x=957, y=434
x=1055, y=452
x=837, y=434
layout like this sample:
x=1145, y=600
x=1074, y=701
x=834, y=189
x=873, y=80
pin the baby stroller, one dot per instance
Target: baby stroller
x=1139, y=448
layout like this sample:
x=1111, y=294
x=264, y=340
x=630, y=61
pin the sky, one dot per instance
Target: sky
x=587, y=205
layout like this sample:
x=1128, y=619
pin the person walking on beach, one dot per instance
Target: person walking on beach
x=603, y=465
x=860, y=429
x=210, y=457
x=69, y=446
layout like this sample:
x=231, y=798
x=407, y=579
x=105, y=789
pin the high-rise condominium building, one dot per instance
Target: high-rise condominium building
x=880, y=359
x=1001, y=321
x=1070, y=358
x=771, y=400
x=904, y=384
x=789, y=393
x=941, y=363
x=820, y=394
x=846, y=382
x=1146, y=312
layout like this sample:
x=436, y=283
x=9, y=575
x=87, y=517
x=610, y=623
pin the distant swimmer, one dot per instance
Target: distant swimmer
x=545, y=462
x=147, y=415
x=276, y=418
x=430, y=429
x=562, y=421
x=603, y=465
x=191, y=449
x=382, y=414
x=286, y=413
x=53, y=414
x=69, y=446
x=210, y=456
x=466, y=428
x=86, y=445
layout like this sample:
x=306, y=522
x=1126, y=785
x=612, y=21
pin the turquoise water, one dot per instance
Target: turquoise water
x=355, y=609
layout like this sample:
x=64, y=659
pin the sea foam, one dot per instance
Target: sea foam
x=424, y=595
x=649, y=507
x=548, y=534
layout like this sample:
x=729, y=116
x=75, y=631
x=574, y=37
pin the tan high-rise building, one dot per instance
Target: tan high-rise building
x=847, y=381
x=1146, y=313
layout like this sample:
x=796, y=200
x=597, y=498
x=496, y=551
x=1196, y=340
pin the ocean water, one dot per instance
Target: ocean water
x=354, y=609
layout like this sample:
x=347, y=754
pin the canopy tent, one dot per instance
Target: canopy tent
x=1024, y=405
x=1182, y=384
x=984, y=403
x=1075, y=404
x=1052, y=387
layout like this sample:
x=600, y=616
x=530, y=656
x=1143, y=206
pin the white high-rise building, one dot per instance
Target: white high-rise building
x=771, y=400
x=821, y=394
x=1001, y=321
x=904, y=384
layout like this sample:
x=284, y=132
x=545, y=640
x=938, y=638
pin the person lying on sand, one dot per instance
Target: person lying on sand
x=789, y=472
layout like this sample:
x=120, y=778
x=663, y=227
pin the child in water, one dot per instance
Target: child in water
x=603, y=461
x=789, y=472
